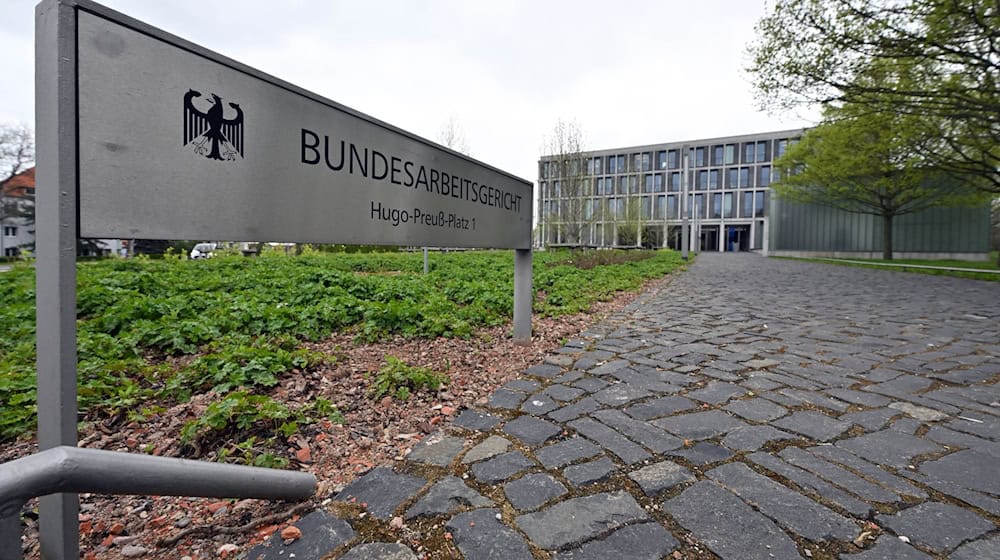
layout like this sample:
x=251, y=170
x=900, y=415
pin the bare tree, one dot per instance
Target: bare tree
x=451, y=136
x=565, y=169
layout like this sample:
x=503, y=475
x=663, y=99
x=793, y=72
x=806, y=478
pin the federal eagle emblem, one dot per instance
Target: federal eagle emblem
x=210, y=132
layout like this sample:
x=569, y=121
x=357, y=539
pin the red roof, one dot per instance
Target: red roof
x=20, y=184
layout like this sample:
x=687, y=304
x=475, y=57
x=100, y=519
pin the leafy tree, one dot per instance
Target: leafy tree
x=868, y=163
x=938, y=60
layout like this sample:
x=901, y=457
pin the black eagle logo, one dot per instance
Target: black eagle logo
x=212, y=134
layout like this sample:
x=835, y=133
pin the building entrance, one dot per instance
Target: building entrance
x=737, y=238
x=709, y=238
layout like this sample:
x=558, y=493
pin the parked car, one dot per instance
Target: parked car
x=203, y=250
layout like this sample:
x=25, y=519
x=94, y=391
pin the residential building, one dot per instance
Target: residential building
x=17, y=211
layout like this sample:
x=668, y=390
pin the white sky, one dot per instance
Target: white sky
x=629, y=72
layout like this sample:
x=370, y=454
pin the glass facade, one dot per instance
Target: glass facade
x=632, y=196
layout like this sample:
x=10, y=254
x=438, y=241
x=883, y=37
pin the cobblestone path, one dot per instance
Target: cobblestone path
x=752, y=408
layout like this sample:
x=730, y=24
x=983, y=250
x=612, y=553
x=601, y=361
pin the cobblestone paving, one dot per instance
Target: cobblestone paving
x=752, y=408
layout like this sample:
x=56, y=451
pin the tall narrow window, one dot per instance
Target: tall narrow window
x=658, y=182
x=746, y=209
x=612, y=164
x=556, y=190
x=765, y=176
x=673, y=159
x=716, y=155
x=760, y=203
x=716, y=210
x=701, y=183
x=745, y=177
x=748, y=152
x=730, y=154
x=732, y=178
x=647, y=210
x=728, y=210
x=762, y=151
x=672, y=208
x=699, y=157
x=779, y=148
x=598, y=169
x=622, y=185
x=661, y=159
x=675, y=181
x=647, y=183
x=621, y=163
x=713, y=179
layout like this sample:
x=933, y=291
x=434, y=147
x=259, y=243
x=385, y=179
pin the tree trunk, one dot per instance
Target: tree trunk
x=887, y=237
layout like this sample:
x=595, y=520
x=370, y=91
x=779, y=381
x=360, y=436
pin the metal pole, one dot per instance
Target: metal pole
x=10, y=534
x=684, y=203
x=56, y=235
x=523, y=296
x=425, y=261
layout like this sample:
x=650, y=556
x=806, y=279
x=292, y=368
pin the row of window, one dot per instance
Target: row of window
x=707, y=205
x=700, y=156
x=10, y=231
x=701, y=180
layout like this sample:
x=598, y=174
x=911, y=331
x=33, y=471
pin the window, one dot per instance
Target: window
x=699, y=157
x=661, y=159
x=11, y=251
x=647, y=209
x=636, y=162
x=633, y=184
x=760, y=203
x=746, y=210
x=545, y=189
x=699, y=205
x=622, y=185
x=612, y=164
x=620, y=212
x=621, y=163
x=675, y=181
x=672, y=208
x=779, y=148
x=599, y=208
x=658, y=182
x=716, y=155
x=730, y=154
x=588, y=209
x=765, y=176
x=600, y=185
x=716, y=210
x=732, y=178
x=590, y=167
x=762, y=151
x=701, y=182
x=659, y=209
x=672, y=159
x=546, y=209
x=713, y=179
x=609, y=209
x=647, y=186
x=745, y=178
x=748, y=152
x=647, y=161
x=598, y=169
x=728, y=211
x=555, y=189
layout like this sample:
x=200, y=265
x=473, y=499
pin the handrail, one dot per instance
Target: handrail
x=905, y=265
x=77, y=470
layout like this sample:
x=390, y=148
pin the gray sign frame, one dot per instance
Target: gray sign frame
x=62, y=215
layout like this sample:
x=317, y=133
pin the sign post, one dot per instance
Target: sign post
x=144, y=135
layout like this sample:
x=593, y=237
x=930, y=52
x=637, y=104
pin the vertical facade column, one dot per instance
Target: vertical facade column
x=56, y=236
x=523, y=296
x=685, y=210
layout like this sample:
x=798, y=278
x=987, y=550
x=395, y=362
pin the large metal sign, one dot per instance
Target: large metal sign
x=176, y=142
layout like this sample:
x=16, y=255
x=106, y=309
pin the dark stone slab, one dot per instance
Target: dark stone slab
x=539, y=404
x=569, y=377
x=978, y=550
x=704, y=453
x=580, y=519
x=664, y=406
x=942, y=527
x=562, y=393
x=545, y=371
x=521, y=385
x=859, y=398
x=756, y=409
x=644, y=541
x=532, y=490
x=506, y=400
x=589, y=472
x=610, y=440
x=717, y=392
x=815, y=425
x=811, y=482
x=533, y=431
x=656, y=478
x=565, y=452
x=379, y=551
x=838, y=475
x=382, y=490
x=591, y=384
x=727, y=526
x=501, y=467
x=651, y=437
x=871, y=420
x=438, y=450
x=789, y=508
x=816, y=399
x=487, y=449
x=868, y=470
x=575, y=410
x=969, y=469
x=322, y=532
x=609, y=367
x=888, y=547
x=480, y=535
x=699, y=425
x=752, y=438
x=619, y=394
x=476, y=420
x=888, y=447
x=448, y=495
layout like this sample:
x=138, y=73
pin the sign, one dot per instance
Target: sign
x=176, y=142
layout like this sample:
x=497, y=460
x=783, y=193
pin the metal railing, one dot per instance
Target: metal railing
x=75, y=470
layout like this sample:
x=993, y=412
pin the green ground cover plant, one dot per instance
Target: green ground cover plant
x=153, y=333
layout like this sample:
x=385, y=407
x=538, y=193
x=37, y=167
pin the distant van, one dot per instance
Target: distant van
x=203, y=250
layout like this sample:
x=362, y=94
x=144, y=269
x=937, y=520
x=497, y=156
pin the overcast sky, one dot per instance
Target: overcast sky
x=629, y=72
